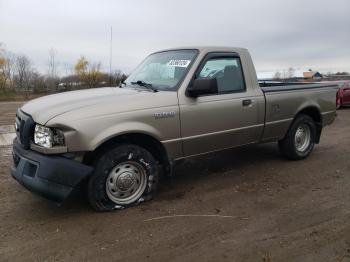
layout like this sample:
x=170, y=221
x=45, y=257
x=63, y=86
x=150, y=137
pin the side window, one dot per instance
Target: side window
x=227, y=71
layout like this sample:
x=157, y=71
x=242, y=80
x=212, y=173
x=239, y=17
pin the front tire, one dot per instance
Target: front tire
x=124, y=176
x=300, y=138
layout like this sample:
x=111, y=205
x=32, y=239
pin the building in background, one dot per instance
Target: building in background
x=312, y=75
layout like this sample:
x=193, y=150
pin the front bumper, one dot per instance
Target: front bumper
x=53, y=177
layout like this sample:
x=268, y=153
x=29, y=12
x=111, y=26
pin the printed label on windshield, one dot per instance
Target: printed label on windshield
x=179, y=63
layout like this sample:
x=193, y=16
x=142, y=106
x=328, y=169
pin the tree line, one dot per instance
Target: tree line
x=287, y=75
x=18, y=74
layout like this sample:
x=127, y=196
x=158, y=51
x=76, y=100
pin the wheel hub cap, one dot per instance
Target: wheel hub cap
x=302, y=137
x=126, y=182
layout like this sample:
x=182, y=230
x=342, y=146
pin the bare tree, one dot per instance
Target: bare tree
x=342, y=73
x=68, y=79
x=277, y=76
x=284, y=75
x=10, y=65
x=2, y=69
x=52, y=76
x=18, y=72
x=89, y=73
x=117, y=77
x=37, y=81
x=291, y=72
x=6, y=67
x=23, y=73
x=52, y=66
x=94, y=75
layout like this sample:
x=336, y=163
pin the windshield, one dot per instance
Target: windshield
x=164, y=70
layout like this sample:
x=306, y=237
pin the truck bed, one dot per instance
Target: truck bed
x=288, y=86
x=285, y=100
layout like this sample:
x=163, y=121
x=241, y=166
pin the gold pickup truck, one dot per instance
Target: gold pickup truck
x=178, y=103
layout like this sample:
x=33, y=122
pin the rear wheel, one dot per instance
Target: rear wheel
x=124, y=176
x=300, y=138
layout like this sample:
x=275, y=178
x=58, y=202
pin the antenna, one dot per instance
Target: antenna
x=110, y=58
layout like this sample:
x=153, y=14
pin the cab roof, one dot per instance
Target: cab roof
x=206, y=49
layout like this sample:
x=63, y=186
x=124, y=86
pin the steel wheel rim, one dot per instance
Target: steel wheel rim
x=126, y=182
x=302, y=137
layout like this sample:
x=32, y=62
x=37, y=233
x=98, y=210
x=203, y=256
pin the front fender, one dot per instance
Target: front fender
x=121, y=129
x=91, y=131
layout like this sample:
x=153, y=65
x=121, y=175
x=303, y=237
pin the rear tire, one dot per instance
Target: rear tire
x=300, y=138
x=124, y=176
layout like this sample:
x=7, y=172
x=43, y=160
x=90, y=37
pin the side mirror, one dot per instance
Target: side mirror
x=203, y=86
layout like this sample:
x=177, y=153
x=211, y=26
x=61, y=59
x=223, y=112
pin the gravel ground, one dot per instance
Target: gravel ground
x=247, y=204
x=8, y=112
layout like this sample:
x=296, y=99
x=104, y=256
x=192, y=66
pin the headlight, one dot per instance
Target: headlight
x=48, y=137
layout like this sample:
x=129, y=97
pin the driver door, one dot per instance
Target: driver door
x=226, y=119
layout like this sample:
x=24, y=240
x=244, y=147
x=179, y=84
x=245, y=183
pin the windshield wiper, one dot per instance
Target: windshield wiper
x=144, y=84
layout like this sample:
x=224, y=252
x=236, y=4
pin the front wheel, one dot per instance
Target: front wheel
x=300, y=138
x=124, y=176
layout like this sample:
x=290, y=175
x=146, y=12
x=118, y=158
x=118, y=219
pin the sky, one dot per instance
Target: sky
x=278, y=33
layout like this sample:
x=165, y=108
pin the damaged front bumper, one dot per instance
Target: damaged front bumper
x=53, y=177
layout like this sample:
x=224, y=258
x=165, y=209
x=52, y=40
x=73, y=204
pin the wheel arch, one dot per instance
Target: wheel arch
x=146, y=141
x=315, y=114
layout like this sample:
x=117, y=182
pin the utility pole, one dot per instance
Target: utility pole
x=110, y=58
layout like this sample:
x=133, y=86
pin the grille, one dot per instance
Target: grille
x=24, y=128
x=18, y=126
x=16, y=159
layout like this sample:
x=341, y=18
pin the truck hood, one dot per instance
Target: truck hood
x=100, y=101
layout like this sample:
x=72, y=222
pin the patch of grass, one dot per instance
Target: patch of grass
x=11, y=95
x=7, y=95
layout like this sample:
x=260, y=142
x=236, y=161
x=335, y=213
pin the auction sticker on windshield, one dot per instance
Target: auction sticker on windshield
x=179, y=63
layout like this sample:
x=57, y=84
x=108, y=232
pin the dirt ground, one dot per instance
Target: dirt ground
x=8, y=112
x=261, y=206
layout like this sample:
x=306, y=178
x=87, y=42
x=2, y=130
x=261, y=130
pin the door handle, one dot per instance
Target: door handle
x=247, y=102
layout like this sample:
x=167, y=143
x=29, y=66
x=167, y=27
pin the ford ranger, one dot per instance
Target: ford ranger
x=178, y=103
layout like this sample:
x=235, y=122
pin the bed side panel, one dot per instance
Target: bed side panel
x=283, y=106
